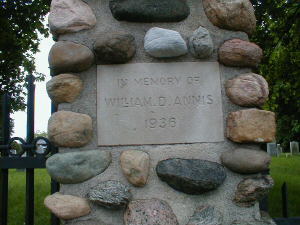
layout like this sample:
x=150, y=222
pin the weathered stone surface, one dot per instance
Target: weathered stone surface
x=206, y=215
x=248, y=89
x=200, y=43
x=67, y=206
x=68, y=16
x=115, y=47
x=64, y=88
x=251, y=125
x=70, y=129
x=235, y=15
x=191, y=176
x=110, y=194
x=250, y=190
x=149, y=212
x=135, y=165
x=240, y=53
x=164, y=43
x=149, y=10
x=76, y=167
x=246, y=161
x=66, y=56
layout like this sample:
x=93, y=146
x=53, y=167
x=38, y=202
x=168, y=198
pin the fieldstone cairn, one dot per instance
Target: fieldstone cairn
x=206, y=215
x=68, y=16
x=76, y=167
x=64, y=88
x=200, y=43
x=135, y=166
x=248, y=89
x=67, y=207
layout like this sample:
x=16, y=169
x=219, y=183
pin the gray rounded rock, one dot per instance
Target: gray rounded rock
x=200, y=43
x=246, y=161
x=164, y=43
x=76, y=167
x=191, y=176
x=149, y=212
x=206, y=215
x=110, y=194
x=66, y=56
x=248, y=89
x=115, y=47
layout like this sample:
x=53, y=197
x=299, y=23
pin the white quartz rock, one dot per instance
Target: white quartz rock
x=68, y=16
x=163, y=43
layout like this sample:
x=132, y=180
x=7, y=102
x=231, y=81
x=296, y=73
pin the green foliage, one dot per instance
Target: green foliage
x=278, y=33
x=20, y=24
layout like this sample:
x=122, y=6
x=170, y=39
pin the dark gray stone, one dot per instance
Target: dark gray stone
x=149, y=10
x=110, y=194
x=191, y=176
x=149, y=212
x=206, y=215
x=115, y=47
x=200, y=43
x=250, y=190
x=76, y=167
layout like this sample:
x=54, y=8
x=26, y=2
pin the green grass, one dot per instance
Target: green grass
x=285, y=170
x=16, y=197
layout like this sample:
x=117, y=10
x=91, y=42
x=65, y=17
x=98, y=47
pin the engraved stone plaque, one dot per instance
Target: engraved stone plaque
x=159, y=103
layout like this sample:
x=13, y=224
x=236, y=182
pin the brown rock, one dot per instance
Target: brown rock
x=68, y=16
x=66, y=56
x=64, y=88
x=149, y=212
x=115, y=47
x=242, y=160
x=251, y=125
x=235, y=15
x=67, y=207
x=240, y=53
x=249, y=89
x=251, y=190
x=70, y=129
x=135, y=165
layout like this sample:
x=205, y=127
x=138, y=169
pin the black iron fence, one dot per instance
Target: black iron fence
x=28, y=157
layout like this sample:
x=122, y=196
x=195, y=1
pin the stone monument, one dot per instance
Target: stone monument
x=158, y=116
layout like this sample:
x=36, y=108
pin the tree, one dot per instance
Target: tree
x=20, y=24
x=278, y=33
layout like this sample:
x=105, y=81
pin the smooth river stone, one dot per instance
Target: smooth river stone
x=246, y=161
x=149, y=212
x=64, y=88
x=164, y=43
x=235, y=15
x=251, y=190
x=68, y=16
x=191, y=176
x=117, y=47
x=66, y=57
x=110, y=194
x=248, y=89
x=135, y=166
x=76, y=167
x=67, y=207
x=200, y=43
x=206, y=215
x=149, y=10
x=240, y=53
x=70, y=129
x=251, y=125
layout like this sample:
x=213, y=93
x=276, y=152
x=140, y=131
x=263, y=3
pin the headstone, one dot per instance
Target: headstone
x=272, y=149
x=294, y=147
x=279, y=149
x=166, y=106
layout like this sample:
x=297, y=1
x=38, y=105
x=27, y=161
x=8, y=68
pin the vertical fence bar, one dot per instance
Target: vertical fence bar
x=4, y=172
x=29, y=215
x=54, y=184
x=284, y=194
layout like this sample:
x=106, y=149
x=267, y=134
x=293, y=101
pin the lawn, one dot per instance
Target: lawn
x=282, y=170
x=285, y=170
